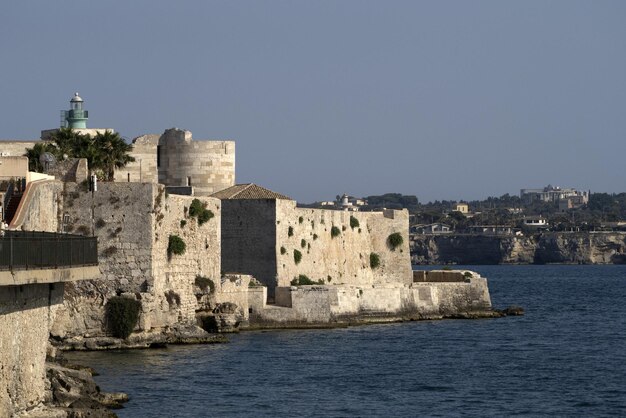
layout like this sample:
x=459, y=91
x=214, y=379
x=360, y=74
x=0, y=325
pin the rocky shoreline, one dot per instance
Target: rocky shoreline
x=544, y=248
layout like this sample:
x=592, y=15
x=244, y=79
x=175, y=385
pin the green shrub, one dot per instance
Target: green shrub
x=297, y=256
x=468, y=274
x=303, y=280
x=329, y=279
x=447, y=268
x=122, y=315
x=395, y=240
x=314, y=237
x=205, y=283
x=196, y=207
x=354, y=222
x=290, y=231
x=205, y=216
x=199, y=210
x=374, y=260
x=283, y=250
x=176, y=246
x=303, y=243
x=300, y=219
x=183, y=223
x=334, y=231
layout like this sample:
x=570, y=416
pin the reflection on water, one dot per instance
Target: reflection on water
x=564, y=357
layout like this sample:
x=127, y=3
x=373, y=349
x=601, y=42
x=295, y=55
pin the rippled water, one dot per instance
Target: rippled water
x=565, y=357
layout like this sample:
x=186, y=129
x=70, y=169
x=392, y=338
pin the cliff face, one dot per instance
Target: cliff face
x=577, y=248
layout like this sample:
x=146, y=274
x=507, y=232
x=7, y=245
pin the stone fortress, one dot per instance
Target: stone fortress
x=247, y=264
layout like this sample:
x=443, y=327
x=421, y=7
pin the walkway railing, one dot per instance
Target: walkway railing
x=20, y=250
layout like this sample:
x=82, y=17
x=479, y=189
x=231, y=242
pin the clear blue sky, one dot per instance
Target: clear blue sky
x=441, y=99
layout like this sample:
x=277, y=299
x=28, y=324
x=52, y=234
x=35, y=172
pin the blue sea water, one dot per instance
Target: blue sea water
x=565, y=357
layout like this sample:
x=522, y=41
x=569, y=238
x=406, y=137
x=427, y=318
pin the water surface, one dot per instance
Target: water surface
x=565, y=357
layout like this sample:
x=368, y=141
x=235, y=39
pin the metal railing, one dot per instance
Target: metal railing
x=20, y=250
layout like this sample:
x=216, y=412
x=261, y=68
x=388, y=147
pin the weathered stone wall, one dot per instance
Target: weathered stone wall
x=133, y=223
x=144, y=168
x=207, y=166
x=344, y=259
x=248, y=239
x=379, y=302
x=26, y=314
x=554, y=247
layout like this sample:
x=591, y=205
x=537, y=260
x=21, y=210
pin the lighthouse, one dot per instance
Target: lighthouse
x=76, y=117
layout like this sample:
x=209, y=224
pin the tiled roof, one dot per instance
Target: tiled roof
x=248, y=191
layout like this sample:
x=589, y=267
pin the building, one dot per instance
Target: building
x=266, y=235
x=535, y=222
x=461, y=207
x=435, y=228
x=552, y=194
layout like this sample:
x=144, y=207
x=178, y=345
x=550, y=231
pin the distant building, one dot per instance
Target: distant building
x=492, y=230
x=535, y=222
x=435, y=228
x=552, y=194
x=461, y=207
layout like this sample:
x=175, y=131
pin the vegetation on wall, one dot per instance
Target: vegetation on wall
x=204, y=283
x=395, y=240
x=374, y=260
x=334, y=231
x=176, y=246
x=183, y=223
x=354, y=222
x=290, y=231
x=199, y=210
x=303, y=243
x=297, y=256
x=122, y=315
x=303, y=280
x=300, y=219
x=283, y=250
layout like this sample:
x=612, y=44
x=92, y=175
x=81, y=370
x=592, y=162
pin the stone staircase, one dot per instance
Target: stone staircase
x=12, y=205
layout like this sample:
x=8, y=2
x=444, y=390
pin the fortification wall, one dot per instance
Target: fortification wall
x=133, y=222
x=144, y=168
x=324, y=304
x=343, y=259
x=26, y=314
x=248, y=239
x=207, y=166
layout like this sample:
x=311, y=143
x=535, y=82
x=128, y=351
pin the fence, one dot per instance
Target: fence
x=42, y=250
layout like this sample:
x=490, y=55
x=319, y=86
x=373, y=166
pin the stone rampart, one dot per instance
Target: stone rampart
x=133, y=223
x=344, y=258
x=26, y=315
x=323, y=304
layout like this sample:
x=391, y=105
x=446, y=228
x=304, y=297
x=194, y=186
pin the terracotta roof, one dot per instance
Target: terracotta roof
x=248, y=191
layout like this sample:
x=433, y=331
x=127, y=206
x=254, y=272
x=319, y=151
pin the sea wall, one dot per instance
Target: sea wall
x=345, y=258
x=553, y=247
x=329, y=305
x=133, y=223
x=26, y=315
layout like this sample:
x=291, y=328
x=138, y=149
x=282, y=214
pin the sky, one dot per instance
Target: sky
x=455, y=100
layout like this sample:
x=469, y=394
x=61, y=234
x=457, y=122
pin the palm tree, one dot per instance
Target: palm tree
x=114, y=152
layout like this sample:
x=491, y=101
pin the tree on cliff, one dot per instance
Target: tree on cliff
x=104, y=152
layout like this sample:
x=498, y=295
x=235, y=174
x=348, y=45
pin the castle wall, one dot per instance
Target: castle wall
x=248, y=239
x=144, y=168
x=323, y=304
x=26, y=314
x=133, y=222
x=344, y=259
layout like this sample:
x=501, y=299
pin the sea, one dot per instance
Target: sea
x=565, y=357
